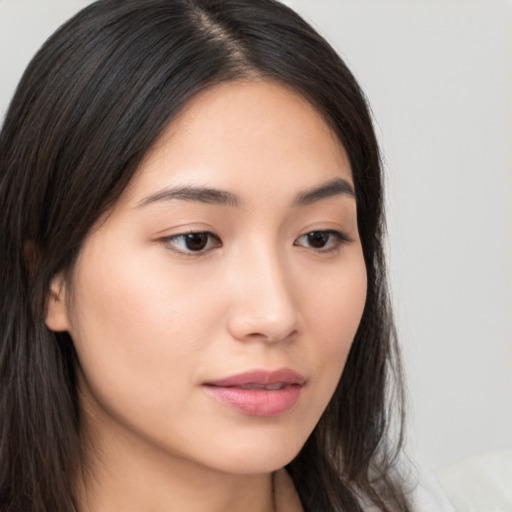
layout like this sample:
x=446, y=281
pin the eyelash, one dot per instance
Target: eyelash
x=335, y=239
x=171, y=242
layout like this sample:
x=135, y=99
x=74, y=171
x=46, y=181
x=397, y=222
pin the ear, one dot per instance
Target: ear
x=57, y=318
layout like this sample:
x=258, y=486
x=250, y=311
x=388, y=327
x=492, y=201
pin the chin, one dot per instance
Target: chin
x=252, y=457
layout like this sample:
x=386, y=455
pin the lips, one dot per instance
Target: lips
x=259, y=392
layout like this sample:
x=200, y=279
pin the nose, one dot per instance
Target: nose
x=263, y=302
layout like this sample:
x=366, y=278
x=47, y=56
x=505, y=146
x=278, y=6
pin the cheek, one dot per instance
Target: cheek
x=334, y=314
x=135, y=330
x=132, y=298
x=337, y=307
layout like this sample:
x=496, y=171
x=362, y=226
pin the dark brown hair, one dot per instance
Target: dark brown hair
x=90, y=104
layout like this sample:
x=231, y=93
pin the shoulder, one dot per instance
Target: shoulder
x=481, y=483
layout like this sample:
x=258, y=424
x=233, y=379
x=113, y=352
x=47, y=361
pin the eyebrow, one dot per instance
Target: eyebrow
x=333, y=188
x=336, y=187
x=193, y=194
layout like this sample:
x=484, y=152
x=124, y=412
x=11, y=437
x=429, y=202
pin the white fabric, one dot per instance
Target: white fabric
x=480, y=484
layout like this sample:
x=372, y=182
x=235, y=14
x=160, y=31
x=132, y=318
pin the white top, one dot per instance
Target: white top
x=482, y=483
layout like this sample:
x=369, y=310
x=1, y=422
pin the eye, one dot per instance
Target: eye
x=195, y=242
x=326, y=240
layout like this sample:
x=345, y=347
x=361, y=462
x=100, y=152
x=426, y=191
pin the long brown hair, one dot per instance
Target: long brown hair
x=90, y=104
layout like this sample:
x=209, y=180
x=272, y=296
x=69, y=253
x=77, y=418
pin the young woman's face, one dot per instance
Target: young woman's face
x=213, y=309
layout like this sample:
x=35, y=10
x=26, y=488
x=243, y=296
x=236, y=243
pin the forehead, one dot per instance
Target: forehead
x=239, y=133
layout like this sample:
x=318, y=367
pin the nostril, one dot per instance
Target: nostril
x=267, y=334
x=288, y=337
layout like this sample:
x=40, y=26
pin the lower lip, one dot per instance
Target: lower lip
x=264, y=403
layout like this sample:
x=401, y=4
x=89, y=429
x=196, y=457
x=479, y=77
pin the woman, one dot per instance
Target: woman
x=195, y=314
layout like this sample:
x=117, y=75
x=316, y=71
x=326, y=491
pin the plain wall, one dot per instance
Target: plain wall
x=438, y=75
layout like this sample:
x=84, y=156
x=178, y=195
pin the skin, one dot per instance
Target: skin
x=153, y=321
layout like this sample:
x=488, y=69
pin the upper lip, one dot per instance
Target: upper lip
x=260, y=377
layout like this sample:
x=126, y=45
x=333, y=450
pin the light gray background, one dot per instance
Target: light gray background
x=439, y=77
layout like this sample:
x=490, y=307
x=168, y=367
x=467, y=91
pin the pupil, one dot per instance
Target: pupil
x=196, y=241
x=318, y=239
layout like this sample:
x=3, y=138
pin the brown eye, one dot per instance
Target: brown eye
x=188, y=243
x=327, y=240
x=196, y=241
x=318, y=239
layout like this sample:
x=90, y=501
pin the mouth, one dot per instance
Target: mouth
x=271, y=387
x=258, y=393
